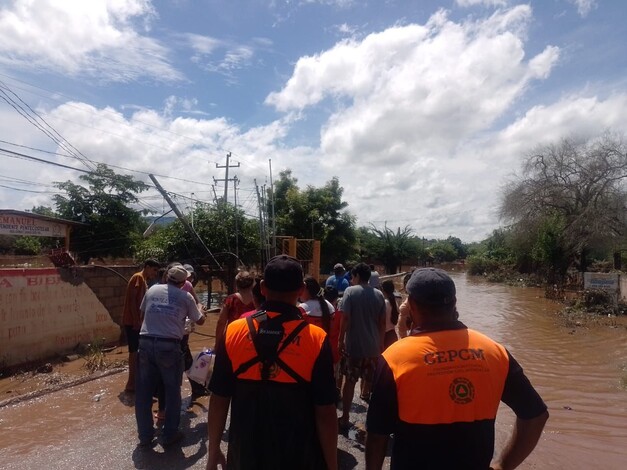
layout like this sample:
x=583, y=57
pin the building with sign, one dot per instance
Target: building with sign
x=14, y=222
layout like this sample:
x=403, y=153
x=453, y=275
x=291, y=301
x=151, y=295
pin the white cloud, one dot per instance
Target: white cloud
x=415, y=91
x=584, y=6
x=423, y=123
x=96, y=38
x=416, y=110
x=490, y=3
x=230, y=57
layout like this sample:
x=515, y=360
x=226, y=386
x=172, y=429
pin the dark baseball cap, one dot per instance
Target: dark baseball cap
x=283, y=274
x=431, y=286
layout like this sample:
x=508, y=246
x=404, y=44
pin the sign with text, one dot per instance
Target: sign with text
x=23, y=225
x=602, y=281
x=42, y=314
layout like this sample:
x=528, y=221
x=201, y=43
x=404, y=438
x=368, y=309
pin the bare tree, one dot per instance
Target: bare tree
x=579, y=186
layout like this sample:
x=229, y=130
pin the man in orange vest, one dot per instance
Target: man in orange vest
x=438, y=391
x=275, y=371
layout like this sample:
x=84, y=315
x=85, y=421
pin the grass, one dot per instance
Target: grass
x=95, y=359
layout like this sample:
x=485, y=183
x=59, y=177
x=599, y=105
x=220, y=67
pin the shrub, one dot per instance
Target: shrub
x=480, y=265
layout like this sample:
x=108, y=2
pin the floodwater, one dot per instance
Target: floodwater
x=580, y=373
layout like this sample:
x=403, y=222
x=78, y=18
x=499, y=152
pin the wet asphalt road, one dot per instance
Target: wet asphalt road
x=92, y=426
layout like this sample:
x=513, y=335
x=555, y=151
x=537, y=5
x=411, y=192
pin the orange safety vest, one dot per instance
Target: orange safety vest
x=448, y=376
x=298, y=354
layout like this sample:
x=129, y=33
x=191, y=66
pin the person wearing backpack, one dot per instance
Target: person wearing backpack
x=275, y=371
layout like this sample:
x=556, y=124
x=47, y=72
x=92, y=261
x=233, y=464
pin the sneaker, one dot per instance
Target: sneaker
x=178, y=437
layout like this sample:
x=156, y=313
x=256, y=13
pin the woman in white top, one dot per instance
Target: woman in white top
x=391, y=313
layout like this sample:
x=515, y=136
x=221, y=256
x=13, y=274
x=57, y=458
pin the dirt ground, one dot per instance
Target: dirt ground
x=57, y=374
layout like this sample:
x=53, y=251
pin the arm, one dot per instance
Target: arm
x=195, y=296
x=218, y=410
x=326, y=428
x=376, y=448
x=403, y=314
x=344, y=326
x=222, y=321
x=201, y=320
x=524, y=439
x=531, y=416
x=382, y=330
x=138, y=290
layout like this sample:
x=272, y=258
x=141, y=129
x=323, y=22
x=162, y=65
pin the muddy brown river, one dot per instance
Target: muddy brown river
x=581, y=374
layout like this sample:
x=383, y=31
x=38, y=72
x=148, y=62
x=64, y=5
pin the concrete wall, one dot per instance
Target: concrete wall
x=49, y=311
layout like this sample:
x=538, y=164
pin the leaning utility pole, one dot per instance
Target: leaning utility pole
x=226, y=176
x=183, y=220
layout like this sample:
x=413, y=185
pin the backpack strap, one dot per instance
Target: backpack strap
x=288, y=370
x=253, y=332
x=284, y=344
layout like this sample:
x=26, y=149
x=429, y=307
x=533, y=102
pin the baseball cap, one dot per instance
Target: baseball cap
x=283, y=274
x=339, y=266
x=431, y=286
x=177, y=274
x=190, y=269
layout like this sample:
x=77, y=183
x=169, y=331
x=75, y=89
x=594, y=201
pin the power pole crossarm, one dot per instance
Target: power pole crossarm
x=226, y=176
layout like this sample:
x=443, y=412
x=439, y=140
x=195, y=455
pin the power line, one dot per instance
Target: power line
x=33, y=117
x=109, y=165
x=52, y=96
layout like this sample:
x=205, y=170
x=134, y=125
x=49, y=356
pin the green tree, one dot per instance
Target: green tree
x=443, y=251
x=216, y=227
x=27, y=245
x=548, y=248
x=460, y=248
x=103, y=205
x=317, y=213
x=395, y=247
x=44, y=210
x=581, y=184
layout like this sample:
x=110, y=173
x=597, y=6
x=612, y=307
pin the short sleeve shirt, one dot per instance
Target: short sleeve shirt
x=165, y=308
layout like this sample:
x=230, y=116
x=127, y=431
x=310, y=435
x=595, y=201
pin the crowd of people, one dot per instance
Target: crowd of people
x=289, y=353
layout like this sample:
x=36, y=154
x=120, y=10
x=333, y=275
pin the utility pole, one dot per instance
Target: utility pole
x=192, y=211
x=182, y=218
x=235, y=183
x=226, y=176
x=261, y=234
x=273, y=217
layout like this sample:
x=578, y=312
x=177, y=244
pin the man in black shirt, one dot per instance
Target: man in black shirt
x=438, y=391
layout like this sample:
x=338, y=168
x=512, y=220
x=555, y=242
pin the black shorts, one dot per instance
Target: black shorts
x=132, y=338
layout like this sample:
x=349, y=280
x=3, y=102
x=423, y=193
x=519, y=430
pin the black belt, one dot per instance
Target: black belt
x=159, y=338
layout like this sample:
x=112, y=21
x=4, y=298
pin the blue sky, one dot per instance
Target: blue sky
x=423, y=110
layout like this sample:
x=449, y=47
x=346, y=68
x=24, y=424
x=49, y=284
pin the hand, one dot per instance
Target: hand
x=215, y=459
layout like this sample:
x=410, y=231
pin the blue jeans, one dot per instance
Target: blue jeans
x=158, y=361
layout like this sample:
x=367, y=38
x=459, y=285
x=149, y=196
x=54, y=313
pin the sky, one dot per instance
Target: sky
x=423, y=110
